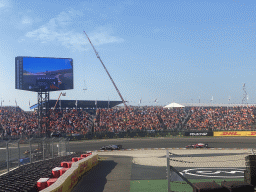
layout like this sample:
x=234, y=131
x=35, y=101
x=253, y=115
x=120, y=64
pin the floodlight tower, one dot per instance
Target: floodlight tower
x=106, y=71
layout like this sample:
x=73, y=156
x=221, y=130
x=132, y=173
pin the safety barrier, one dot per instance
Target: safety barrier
x=69, y=179
x=132, y=134
x=24, y=178
x=234, y=133
x=23, y=151
x=198, y=133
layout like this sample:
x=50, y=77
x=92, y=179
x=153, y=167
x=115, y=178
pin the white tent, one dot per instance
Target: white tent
x=173, y=105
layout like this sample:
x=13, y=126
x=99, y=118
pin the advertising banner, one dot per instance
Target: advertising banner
x=198, y=133
x=234, y=133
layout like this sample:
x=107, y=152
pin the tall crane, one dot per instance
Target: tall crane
x=63, y=94
x=106, y=71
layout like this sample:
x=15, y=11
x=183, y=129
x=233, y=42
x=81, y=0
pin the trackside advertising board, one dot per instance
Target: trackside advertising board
x=68, y=180
x=234, y=133
x=198, y=134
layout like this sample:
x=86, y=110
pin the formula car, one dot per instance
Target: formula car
x=55, y=134
x=111, y=147
x=27, y=152
x=197, y=145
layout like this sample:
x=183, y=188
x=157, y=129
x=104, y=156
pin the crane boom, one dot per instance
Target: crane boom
x=57, y=101
x=106, y=70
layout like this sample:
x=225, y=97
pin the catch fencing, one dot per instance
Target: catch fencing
x=202, y=165
x=15, y=153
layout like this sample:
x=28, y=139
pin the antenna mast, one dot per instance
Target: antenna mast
x=106, y=70
x=245, y=95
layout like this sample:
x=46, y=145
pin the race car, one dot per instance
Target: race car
x=197, y=145
x=27, y=152
x=111, y=147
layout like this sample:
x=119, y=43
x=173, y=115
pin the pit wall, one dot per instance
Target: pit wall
x=69, y=179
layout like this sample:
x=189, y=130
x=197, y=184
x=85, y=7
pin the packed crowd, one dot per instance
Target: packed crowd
x=222, y=118
x=71, y=121
x=138, y=119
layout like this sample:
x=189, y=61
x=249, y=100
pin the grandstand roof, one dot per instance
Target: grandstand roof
x=216, y=105
x=80, y=104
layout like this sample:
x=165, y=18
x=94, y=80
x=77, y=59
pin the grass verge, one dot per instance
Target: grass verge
x=162, y=185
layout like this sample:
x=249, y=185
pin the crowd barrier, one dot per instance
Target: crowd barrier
x=69, y=179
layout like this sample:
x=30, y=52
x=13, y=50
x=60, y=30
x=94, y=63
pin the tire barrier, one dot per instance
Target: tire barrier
x=25, y=177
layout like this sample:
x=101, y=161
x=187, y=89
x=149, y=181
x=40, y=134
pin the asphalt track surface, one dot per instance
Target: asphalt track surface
x=163, y=142
x=170, y=142
x=115, y=172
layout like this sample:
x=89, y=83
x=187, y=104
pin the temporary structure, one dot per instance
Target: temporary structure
x=173, y=105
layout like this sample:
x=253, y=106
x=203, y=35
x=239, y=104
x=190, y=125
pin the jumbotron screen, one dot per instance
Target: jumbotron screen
x=42, y=74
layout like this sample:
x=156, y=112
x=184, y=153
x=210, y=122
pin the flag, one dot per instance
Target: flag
x=76, y=103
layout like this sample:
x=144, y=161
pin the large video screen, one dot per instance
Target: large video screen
x=42, y=74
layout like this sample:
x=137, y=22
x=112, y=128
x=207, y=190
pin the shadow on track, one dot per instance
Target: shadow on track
x=111, y=174
x=95, y=179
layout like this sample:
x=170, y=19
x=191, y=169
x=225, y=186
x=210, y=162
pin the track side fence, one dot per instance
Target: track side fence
x=19, y=152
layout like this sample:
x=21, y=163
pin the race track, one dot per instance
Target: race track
x=164, y=142
x=173, y=142
x=197, y=165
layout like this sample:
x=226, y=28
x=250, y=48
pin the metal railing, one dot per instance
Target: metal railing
x=194, y=165
x=15, y=153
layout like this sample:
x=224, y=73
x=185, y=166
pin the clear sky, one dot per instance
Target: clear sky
x=176, y=50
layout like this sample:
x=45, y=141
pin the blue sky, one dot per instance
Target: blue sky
x=176, y=50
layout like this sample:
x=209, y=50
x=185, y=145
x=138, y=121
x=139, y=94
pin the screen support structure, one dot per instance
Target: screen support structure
x=43, y=113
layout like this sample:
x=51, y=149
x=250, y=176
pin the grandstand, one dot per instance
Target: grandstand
x=69, y=120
